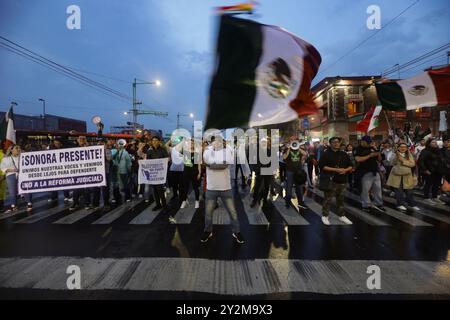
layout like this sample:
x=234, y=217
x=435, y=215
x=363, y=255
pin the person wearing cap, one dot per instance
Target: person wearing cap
x=336, y=163
x=122, y=161
x=367, y=158
x=295, y=174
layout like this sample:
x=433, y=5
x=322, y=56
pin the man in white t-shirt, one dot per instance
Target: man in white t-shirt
x=218, y=184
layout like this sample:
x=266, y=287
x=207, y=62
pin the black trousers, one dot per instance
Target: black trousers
x=310, y=172
x=160, y=197
x=85, y=192
x=262, y=187
x=190, y=178
x=54, y=194
x=176, y=182
x=237, y=169
x=282, y=171
x=433, y=184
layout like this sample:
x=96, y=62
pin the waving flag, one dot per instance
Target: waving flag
x=7, y=132
x=428, y=89
x=263, y=76
x=242, y=7
x=370, y=121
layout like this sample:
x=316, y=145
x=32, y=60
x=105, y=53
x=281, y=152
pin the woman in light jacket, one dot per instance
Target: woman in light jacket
x=10, y=167
x=402, y=179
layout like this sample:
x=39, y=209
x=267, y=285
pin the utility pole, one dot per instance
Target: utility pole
x=136, y=112
x=43, y=103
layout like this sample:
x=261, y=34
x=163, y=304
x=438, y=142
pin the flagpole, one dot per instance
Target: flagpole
x=389, y=124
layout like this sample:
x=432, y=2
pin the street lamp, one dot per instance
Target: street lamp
x=43, y=104
x=134, y=110
x=190, y=115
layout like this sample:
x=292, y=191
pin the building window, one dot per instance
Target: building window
x=354, y=107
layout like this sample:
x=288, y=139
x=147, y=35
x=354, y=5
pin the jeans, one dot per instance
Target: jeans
x=210, y=204
x=338, y=192
x=371, y=182
x=289, y=185
x=433, y=184
x=11, y=181
x=400, y=196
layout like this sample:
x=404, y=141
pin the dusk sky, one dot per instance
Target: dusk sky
x=173, y=41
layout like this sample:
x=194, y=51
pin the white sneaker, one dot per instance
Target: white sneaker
x=183, y=205
x=70, y=199
x=197, y=204
x=326, y=221
x=429, y=201
x=141, y=195
x=172, y=220
x=275, y=197
x=66, y=200
x=415, y=208
x=438, y=201
x=345, y=220
x=402, y=208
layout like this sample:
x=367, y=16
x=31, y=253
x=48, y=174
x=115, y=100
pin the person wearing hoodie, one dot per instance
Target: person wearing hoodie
x=431, y=165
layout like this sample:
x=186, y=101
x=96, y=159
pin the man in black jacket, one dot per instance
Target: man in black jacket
x=431, y=164
x=158, y=152
x=336, y=164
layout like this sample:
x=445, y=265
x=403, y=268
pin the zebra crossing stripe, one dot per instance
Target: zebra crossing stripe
x=184, y=216
x=118, y=212
x=145, y=217
x=397, y=215
x=334, y=219
x=228, y=277
x=74, y=216
x=43, y=215
x=424, y=212
x=255, y=215
x=291, y=216
x=371, y=220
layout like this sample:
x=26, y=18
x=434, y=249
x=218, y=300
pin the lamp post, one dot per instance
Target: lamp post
x=134, y=110
x=190, y=115
x=43, y=105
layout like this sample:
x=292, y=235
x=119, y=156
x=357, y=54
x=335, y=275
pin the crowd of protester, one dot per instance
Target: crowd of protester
x=335, y=167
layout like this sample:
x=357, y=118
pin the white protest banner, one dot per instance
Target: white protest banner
x=61, y=169
x=153, y=171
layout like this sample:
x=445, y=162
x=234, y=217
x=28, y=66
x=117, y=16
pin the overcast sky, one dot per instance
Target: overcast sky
x=173, y=41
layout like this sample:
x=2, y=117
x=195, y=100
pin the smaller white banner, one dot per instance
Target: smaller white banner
x=153, y=171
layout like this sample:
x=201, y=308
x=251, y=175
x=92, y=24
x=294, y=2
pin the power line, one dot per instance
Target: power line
x=370, y=37
x=22, y=51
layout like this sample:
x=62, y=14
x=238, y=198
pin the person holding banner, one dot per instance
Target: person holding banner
x=10, y=167
x=217, y=159
x=158, y=152
x=57, y=144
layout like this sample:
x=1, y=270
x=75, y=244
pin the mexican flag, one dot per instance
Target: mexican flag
x=370, y=121
x=428, y=89
x=7, y=132
x=262, y=76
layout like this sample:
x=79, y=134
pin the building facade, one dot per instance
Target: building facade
x=50, y=123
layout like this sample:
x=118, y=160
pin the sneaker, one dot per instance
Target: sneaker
x=402, y=208
x=415, y=208
x=302, y=205
x=238, y=238
x=88, y=207
x=197, y=204
x=184, y=204
x=325, y=221
x=74, y=207
x=438, y=201
x=367, y=210
x=141, y=195
x=128, y=200
x=206, y=236
x=66, y=200
x=345, y=220
x=146, y=201
x=29, y=207
x=50, y=200
x=429, y=201
x=172, y=220
x=70, y=199
x=11, y=210
x=379, y=208
x=392, y=194
x=275, y=197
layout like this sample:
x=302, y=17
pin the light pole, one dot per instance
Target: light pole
x=190, y=115
x=135, y=112
x=43, y=105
